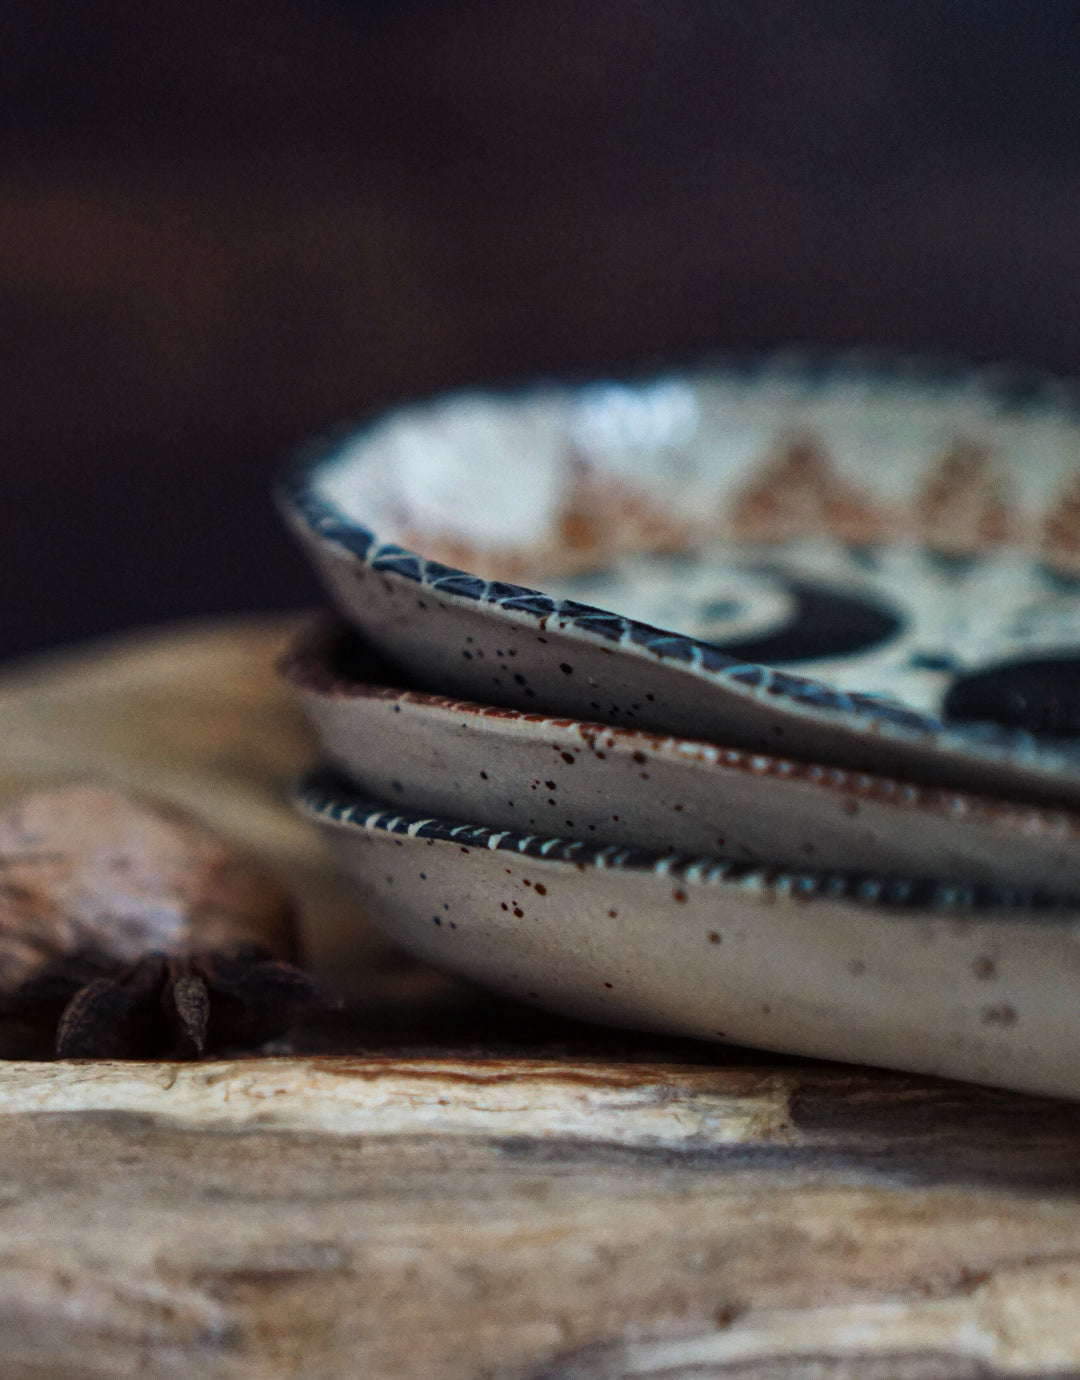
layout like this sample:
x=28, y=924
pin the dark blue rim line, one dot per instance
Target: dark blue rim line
x=328, y=797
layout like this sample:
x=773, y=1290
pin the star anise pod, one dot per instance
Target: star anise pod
x=160, y=1006
x=129, y=930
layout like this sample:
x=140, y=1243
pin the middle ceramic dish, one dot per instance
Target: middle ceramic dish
x=604, y=785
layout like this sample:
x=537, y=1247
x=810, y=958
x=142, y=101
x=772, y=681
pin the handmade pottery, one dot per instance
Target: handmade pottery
x=588, y=781
x=905, y=536
x=964, y=982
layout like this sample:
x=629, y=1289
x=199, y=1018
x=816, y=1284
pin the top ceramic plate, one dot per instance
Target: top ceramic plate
x=864, y=563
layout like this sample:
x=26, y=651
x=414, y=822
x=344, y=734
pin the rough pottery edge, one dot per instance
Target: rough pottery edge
x=328, y=799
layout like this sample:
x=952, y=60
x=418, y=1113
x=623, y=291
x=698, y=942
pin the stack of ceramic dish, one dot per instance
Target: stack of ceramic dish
x=755, y=718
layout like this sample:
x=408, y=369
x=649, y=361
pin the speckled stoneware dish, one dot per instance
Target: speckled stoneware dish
x=863, y=562
x=948, y=980
x=610, y=785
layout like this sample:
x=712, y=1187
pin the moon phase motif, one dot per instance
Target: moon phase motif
x=825, y=622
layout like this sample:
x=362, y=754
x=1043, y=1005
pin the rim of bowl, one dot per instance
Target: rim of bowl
x=327, y=798
x=1014, y=389
x=308, y=667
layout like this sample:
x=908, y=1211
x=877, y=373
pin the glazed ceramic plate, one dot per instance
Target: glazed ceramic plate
x=863, y=563
x=956, y=981
x=608, y=785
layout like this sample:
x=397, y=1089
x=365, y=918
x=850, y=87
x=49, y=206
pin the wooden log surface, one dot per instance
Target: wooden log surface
x=435, y=1184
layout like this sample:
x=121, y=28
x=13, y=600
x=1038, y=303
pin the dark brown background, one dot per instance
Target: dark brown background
x=226, y=224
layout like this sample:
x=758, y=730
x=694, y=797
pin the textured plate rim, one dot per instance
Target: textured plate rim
x=327, y=799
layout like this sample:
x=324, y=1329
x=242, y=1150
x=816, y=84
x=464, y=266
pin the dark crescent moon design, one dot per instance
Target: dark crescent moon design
x=825, y=623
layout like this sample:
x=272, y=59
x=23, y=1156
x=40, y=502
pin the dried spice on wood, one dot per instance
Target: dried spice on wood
x=128, y=929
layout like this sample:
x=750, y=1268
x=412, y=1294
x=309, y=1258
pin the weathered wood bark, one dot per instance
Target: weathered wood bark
x=436, y=1185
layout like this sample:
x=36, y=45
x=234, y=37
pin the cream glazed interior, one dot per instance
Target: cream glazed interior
x=869, y=562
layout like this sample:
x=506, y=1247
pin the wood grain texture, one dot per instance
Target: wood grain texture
x=437, y=1185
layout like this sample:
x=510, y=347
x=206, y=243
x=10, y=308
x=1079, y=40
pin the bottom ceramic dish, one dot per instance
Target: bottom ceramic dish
x=965, y=982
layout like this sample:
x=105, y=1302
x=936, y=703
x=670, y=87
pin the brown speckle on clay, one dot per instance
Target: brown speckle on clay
x=714, y=937
x=678, y=895
x=1003, y=1014
x=984, y=967
x=856, y=967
